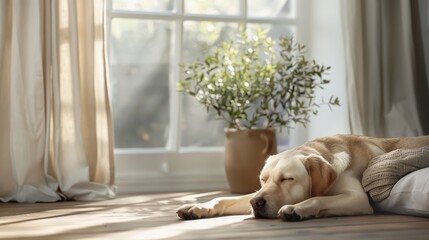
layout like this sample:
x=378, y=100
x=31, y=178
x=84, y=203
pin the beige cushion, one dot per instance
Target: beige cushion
x=385, y=170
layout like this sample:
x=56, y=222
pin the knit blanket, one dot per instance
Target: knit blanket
x=385, y=170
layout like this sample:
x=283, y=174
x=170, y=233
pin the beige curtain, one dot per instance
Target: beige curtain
x=55, y=121
x=387, y=83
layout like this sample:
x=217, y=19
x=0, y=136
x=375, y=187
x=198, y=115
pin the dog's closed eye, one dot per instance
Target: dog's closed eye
x=283, y=179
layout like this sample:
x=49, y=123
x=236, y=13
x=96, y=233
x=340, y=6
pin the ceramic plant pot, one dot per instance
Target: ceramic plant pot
x=245, y=155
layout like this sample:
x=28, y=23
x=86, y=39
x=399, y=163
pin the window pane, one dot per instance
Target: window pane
x=198, y=127
x=213, y=7
x=276, y=30
x=144, y=5
x=275, y=8
x=140, y=63
x=198, y=37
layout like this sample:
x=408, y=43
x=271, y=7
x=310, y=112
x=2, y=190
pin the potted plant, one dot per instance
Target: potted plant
x=256, y=85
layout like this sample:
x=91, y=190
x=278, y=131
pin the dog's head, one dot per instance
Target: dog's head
x=288, y=178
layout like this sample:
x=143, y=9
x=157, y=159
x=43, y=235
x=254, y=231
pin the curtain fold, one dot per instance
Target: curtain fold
x=57, y=139
x=387, y=84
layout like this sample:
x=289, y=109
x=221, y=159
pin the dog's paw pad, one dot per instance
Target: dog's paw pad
x=186, y=215
x=187, y=212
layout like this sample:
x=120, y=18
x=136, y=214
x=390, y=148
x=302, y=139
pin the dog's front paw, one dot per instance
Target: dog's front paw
x=193, y=211
x=291, y=213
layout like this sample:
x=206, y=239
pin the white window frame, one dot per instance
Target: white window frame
x=188, y=169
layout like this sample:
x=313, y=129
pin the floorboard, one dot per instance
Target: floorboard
x=152, y=216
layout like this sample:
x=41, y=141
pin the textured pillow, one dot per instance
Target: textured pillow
x=384, y=171
x=410, y=195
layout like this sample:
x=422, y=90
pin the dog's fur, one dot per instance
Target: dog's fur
x=318, y=179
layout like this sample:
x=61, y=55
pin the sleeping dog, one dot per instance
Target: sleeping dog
x=318, y=179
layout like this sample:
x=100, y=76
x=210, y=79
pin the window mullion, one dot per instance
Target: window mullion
x=243, y=11
x=142, y=14
x=176, y=97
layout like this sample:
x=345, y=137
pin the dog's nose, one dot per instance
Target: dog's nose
x=257, y=203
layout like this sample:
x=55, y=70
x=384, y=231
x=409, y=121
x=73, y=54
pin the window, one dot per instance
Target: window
x=156, y=127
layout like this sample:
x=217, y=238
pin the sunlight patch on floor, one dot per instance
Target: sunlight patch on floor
x=136, y=199
x=140, y=215
x=68, y=223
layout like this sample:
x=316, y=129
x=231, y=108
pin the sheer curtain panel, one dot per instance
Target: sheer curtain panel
x=56, y=137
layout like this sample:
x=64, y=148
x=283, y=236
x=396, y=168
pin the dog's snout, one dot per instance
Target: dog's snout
x=258, y=203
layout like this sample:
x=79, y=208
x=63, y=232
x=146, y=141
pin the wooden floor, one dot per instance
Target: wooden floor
x=152, y=216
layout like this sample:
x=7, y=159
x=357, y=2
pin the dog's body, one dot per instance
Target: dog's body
x=320, y=178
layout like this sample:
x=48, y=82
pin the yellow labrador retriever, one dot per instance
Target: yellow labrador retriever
x=318, y=179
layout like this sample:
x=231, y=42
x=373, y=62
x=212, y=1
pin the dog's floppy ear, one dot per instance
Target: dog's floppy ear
x=321, y=173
